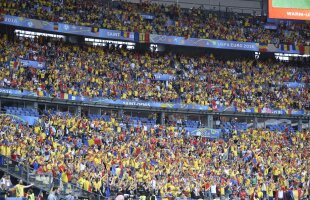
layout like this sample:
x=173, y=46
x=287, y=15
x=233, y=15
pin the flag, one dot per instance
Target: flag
x=95, y=29
x=125, y=34
x=284, y=47
x=55, y=26
x=263, y=47
x=13, y=64
x=65, y=96
x=144, y=37
x=257, y=110
x=136, y=37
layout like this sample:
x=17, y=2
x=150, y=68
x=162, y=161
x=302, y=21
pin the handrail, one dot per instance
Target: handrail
x=42, y=181
x=306, y=116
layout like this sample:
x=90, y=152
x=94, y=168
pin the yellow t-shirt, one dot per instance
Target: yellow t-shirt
x=20, y=190
x=86, y=185
x=64, y=177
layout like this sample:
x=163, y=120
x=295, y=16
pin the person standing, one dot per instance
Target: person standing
x=19, y=188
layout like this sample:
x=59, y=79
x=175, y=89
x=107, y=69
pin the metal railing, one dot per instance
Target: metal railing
x=43, y=181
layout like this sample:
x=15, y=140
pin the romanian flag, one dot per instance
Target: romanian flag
x=64, y=96
x=125, y=34
x=144, y=37
x=13, y=64
x=257, y=110
x=95, y=29
x=284, y=47
x=263, y=47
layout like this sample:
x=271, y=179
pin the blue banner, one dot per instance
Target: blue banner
x=297, y=112
x=64, y=28
x=17, y=92
x=163, y=77
x=147, y=16
x=151, y=104
x=29, y=119
x=31, y=63
x=196, y=42
x=295, y=85
x=271, y=26
x=206, y=132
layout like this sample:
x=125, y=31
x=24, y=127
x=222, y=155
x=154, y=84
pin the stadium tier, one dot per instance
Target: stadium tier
x=72, y=71
x=108, y=158
x=158, y=19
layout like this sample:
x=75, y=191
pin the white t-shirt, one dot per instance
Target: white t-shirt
x=280, y=194
x=213, y=189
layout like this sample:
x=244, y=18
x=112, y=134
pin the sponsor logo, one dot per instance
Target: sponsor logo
x=142, y=104
x=10, y=20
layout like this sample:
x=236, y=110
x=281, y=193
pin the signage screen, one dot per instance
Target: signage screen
x=289, y=9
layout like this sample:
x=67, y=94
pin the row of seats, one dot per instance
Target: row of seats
x=235, y=126
x=97, y=116
x=192, y=124
x=280, y=127
x=21, y=111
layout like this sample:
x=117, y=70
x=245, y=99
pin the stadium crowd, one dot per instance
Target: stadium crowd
x=118, y=73
x=164, y=20
x=114, y=158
